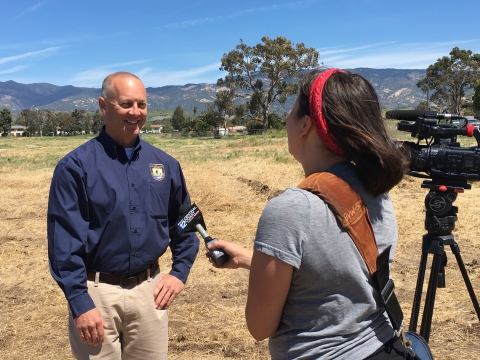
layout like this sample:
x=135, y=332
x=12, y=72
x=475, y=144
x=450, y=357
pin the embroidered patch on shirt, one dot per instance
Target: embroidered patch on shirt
x=157, y=171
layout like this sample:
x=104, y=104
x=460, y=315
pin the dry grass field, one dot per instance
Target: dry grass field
x=230, y=179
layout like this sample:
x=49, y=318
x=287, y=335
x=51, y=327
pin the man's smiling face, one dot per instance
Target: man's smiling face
x=124, y=109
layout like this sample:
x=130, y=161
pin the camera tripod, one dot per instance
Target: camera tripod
x=439, y=222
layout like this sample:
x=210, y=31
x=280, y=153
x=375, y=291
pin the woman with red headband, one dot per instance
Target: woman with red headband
x=309, y=289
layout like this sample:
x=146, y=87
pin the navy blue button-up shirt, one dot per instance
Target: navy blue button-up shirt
x=114, y=215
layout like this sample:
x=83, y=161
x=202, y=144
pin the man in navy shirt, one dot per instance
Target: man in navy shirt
x=112, y=212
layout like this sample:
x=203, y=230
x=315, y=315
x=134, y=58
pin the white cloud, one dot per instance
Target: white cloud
x=151, y=77
x=31, y=8
x=67, y=41
x=204, y=20
x=94, y=77
x=12, y=70
x=204, y=74
x=391, y=55
x=28, y=54
x=339, y=49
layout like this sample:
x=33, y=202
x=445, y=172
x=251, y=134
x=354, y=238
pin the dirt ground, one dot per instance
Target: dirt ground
x=207, y=319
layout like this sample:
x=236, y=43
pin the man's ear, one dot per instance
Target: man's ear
x=307, y=124
x=102, y=104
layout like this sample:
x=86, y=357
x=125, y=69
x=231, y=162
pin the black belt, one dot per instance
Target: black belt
x=128, y=280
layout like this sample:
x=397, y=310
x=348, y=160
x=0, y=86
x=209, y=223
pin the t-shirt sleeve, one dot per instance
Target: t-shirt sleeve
x=284, y=227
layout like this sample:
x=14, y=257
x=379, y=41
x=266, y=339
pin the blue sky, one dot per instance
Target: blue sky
x=67, y=42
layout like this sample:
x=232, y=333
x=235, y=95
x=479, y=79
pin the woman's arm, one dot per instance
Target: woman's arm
x=269, y=283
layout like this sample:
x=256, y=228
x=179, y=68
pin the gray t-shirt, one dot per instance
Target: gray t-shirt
x=332, y=310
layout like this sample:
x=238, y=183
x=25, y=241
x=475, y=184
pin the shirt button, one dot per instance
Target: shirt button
x=135, y=231
x=134, y=208
x=135, y=254
x=133, y=185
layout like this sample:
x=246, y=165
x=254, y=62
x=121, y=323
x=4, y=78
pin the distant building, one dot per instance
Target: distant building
x=156, y=129
x=237, y=128
x=17, y=130
x=220, y=132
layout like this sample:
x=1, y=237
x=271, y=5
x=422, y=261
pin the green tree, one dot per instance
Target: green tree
x=240, y=113
x=147, y=127
x=422, y=105
x=5, y=121
x=27, y=119
x=202, y=127
x=67, y=123
x=46, y=122
x=476, y=96
x=82, y=120
x=450, y=77
x=254, y=126
x=224, y=101
x=276, y=121
x=189, y=124
x=467, y=105
x=43, y=120
x=178, y=118
x=266, y=71
x=97, y=122
x=167, y=128
x=211, y=117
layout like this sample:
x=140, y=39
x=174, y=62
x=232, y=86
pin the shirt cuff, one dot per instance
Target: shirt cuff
x=81, y=304
x=181, y=272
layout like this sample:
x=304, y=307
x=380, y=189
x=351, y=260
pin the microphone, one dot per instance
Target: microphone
x=191, y=219
x=414, y=114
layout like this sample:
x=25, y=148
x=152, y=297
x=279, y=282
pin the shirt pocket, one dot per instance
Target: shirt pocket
x=158, y=197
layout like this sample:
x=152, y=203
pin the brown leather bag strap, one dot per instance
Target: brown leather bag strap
x=352, y=212
x=350, y=209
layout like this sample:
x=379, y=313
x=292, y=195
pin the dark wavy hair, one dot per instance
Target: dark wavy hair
x=352, y=111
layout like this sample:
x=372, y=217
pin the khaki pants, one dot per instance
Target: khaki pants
x=136, y=330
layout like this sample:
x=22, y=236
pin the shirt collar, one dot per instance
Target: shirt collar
x=113, y=149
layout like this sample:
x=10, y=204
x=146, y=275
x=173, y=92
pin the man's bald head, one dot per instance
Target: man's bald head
x=124, y=106
x=107, y=85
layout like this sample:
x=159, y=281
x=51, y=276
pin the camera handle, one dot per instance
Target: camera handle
x=440, y=220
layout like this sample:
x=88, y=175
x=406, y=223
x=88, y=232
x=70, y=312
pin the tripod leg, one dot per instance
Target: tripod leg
x=441, y=272
x=466, y=279
x=418, y=292
x=430, y=298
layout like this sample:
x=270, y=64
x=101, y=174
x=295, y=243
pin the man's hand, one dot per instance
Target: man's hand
x=166, y=290
x=90, y=327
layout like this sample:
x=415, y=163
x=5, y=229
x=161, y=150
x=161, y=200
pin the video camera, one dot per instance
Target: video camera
x=442, y=156
x=450, y=167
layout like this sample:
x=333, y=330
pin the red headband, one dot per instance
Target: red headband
x=316, y=113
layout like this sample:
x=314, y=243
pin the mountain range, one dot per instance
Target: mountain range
x=395, y=88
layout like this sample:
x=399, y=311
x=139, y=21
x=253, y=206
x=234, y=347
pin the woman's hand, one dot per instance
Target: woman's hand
x=239, y=256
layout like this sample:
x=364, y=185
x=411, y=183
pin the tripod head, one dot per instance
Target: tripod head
x=440, y=214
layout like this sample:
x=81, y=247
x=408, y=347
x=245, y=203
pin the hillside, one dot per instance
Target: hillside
x=395, y=87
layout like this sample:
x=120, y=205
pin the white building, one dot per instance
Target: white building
x=156, y=129
x=17, y=130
